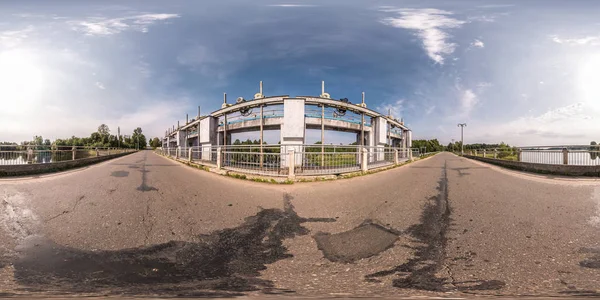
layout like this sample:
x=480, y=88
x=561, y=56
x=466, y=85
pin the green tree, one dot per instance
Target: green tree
x=155, y=143
x=138, y=139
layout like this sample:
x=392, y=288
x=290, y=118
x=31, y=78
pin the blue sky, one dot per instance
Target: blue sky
x=523, y=72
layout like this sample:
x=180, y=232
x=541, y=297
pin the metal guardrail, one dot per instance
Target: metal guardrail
x=9, y=155
x=576, y=155
x=278, y=160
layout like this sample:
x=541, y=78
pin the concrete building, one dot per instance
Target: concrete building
x=292, y=116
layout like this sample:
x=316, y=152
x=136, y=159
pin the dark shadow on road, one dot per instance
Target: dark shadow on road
x=221, y=264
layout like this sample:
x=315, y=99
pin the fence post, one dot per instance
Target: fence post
x=484, y=152
x=395, y=156
x=291, y=163
x=565, y=156
x=518, y=154
x=495, y=153
x=190, y=155
x=475, y=152
x=97, y=153
x=73, y=152
x=109, y=151
x=219, y=158
x=410, y=154
x=364, y=158
x=29, y=155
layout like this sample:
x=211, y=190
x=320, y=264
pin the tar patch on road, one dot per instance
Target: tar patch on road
x=366, y=240
x=119, y=174
x=421, y=271
x=228, y=261
x=144, y=187
x=592, y=262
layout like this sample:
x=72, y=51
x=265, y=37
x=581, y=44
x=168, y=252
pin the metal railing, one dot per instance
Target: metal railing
x=253, y=162
x=331, y=114
x=326, y=159
x=278, y=160
x=22, y=155
x=576, y=155
x=255, y=115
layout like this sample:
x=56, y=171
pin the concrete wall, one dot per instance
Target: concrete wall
x=542, y=168
x=21, y=170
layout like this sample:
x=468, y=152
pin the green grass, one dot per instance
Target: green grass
x=328, y=161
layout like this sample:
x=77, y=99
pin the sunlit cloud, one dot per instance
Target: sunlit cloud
x=581, y=41
x=394, y=108
x=100, y=26
x=100, y=85
x=430, y=25
x=477, y=43
x=13, y=38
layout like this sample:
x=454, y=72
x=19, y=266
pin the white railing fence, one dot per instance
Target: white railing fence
x=291, y=160
x=577, y=155
x=22, y=155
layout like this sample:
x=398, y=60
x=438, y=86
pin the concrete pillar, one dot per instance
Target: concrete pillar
x=395, y=156
x=292, y=129
x=495, y=153
x=410, y=157
x=29, y=155
x=364, y=163
x=483, y=152
x=97, y=152
x=190, y=154
x=292, y=166
x=219, y=158
x=380, y=127
x=177, y=152
x=519, y=154
x=207, y=136
x=565, y=153
x=74, y=152
x=371, y=142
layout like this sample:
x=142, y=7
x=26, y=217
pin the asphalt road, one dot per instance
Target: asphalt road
x=146, y=225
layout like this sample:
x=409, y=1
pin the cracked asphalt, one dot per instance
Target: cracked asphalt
x=144, y=225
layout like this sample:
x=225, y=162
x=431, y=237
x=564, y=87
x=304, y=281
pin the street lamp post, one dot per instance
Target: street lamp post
x=462, y=140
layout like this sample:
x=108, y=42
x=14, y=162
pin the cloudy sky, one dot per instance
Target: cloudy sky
x=523, y=72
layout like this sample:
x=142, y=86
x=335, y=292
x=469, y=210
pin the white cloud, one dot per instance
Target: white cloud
x=395, y=108
x=477, y=43
x=100, y=85
x=12, y=38
x=468, y=101
x=429, y=24
x=588, y=40
x=570, y=124
x=575, y=110
x=103, y=26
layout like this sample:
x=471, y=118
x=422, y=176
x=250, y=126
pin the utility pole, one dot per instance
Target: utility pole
x=462, y=140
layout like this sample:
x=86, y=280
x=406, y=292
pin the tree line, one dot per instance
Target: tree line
x=101, y=138
x=434, y=145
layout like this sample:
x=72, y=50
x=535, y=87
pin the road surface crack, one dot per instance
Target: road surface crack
x=64, y=212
